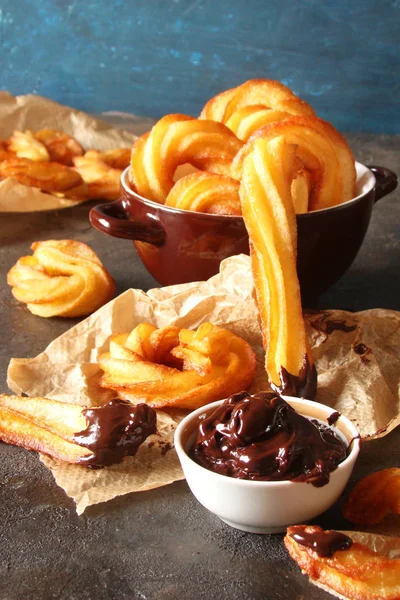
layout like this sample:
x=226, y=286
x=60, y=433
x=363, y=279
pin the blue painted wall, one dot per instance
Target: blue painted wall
x=154, y=57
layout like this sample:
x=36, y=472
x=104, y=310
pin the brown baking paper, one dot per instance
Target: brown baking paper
x=365, y=386
x=34, y=113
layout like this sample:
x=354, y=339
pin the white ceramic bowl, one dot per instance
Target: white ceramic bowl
x=264, y=506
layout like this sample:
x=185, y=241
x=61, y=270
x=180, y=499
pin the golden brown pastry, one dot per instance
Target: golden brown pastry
x=270, y=220
x=206, y=192
x=355, y=572
x=247, y=120
x=61, y=147
x=63, y=278
x=49, y=177
x=238, y=107
x=103, y=181
x=172, y=367
x=176, y=140
x=374, y=497
x=95, y=436
x=117, y=158
x=323, y=172
x=25, y=145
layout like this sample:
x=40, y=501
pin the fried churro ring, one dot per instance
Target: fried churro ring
x=103, y=181
x=62, y=278
x=61, y=147
x=178, y=368
x=176, y=140
x=325, y=162
x=356, y=572
x=270, y=220
x=60, y=429
x=264, y=93
x=49, y=177
x=25, y=145
x=374, y=497
x=247, y=120
x=206, y=192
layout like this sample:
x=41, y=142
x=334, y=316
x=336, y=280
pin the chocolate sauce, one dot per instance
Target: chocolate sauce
x=261, y=437
x=303, y=385
x=114, y=431
x=324, y=543
x=362, y=350
x=333, y=417
x=337, y=325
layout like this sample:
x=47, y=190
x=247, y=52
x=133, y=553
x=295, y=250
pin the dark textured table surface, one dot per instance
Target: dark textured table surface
x=160, y=544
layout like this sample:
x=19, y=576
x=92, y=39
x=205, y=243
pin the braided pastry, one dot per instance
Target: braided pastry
x=62, y=278
x=172, y=367
x=323, y=171
x=206, y=192
x=253, y=104
x=270, y=220
x=176, y=140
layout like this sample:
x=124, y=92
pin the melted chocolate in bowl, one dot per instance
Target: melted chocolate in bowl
x=261, y=437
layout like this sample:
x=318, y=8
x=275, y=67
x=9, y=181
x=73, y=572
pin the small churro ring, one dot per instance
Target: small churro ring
x=180, y=368
x=62, y=278
x=206, y=192
x=263, y=92
x=176, y=140
x=325, y=160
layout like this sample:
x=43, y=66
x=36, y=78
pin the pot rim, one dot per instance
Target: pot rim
x=361, y=169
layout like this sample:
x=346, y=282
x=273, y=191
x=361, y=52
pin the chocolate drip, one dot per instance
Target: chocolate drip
x=363, y=351
x=303, y=385
x=333, y=417
x=261, y=437
x=114, y=431
x=324, y=543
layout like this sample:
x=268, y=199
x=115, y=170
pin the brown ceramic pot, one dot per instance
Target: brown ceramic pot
x=178, y=246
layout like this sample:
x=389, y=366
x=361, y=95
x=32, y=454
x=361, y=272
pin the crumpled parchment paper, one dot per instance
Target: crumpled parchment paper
x=356, y=356
x=34, y=113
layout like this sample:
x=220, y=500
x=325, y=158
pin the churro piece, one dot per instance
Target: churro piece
x=206, y=192
x=61, y=147
x=49, y=177
x=94, y=437
x=344, y=566
x=117, y=158
x=62, y=278
x=374, y=497
x=103, y=181
x=172, y=367
x=270, y=220
x=176, y=140
x=324, y=161
x=25, y=145
x=264, y=93
x=247, y=120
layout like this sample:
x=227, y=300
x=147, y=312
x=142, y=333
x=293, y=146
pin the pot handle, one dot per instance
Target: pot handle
x=111, y=218
x=386, y=181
